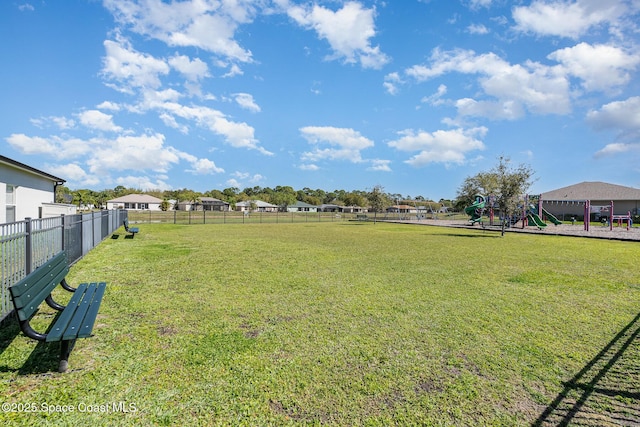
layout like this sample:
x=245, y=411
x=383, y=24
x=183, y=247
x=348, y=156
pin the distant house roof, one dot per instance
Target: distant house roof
x=30, y=169
x=299, y=204
x=593, y=191
x=258, y=203
x=212, y=201
x=136, y=198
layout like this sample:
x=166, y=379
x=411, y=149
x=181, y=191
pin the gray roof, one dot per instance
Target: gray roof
x=30, y=169
x=135, y=198
x=212, y=200
x=258, y=203
x=593, y=191
x=299, y=204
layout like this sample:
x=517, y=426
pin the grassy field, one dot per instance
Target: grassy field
x=341, y=324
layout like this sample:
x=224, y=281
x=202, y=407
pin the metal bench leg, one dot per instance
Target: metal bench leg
x=65, y=351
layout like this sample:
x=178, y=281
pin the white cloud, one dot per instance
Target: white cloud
x=592, y=63
x=348, y=143
x=623, y=115
x=94, y=119
x=618, y=148
x=204, y=167
x=567, y=18
x=236, y=134
x=205, y=25
x=143, y=183
x=347, y=30
x=193, y=70
x=233, y=183
x=60, y=122
x=477, y=29
x=247, y=102
x=436, y=98
x=442, y=146
x=380, y=165
x=391, y=83
x=108, y=105
x=26, y=7
x=624, y=118
x=133, y=153
x=75, y=175
x=308, y=167
x=31, y=145
x=127, y=69
x=538, y=88
x=56, y=147
x=475, y=4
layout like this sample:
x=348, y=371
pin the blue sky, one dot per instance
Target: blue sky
x=412, y=95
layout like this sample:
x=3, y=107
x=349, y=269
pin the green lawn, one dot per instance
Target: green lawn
x=341, y=323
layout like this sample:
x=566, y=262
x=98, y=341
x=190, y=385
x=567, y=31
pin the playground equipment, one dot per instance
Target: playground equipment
x=536, y=212
x=476, y=210
x=602, y=210
x=589, y=208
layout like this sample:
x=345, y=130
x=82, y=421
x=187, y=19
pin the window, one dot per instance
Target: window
x=11, y=203
x=11, y=195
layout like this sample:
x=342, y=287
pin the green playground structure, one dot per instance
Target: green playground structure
x=476, y=209
x=534, y=218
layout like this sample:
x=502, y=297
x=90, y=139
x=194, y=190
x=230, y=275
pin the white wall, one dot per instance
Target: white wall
x=31, y=190
x=56, y=209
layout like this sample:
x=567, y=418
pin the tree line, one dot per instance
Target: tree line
x=280, y=195
x=506, y=183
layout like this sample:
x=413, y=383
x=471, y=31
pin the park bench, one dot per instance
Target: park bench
x=75, y=320
x=362, y=217
x=132, y=230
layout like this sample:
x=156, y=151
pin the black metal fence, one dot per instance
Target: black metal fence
x=25, y=245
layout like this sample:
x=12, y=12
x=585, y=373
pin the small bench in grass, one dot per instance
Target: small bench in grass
x=132, y=230
x=362, y=217
x=75, y=320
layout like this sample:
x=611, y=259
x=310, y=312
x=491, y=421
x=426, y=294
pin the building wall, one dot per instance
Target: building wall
x=30, y=191
x=134, y=206
x=568, y=209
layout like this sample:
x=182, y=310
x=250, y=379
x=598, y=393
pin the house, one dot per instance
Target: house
x=213, y=204
x=138, y=202
x=402, y=209
x=204, y=204
x=329, y=208
x=256, y=206
x=353, y=209
x=299, y=206
x=567, y=202
x=27, y=192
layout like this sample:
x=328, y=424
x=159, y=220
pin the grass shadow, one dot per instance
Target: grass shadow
x=473, y=236
x=43, y=358
x=606, y=391
x=9, y=330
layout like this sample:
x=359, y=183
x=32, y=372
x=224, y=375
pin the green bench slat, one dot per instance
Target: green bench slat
x=77, y=320
x=38, y=274
x=78, y=317
x=92, y=313
x=31, y=291
x=58, y=329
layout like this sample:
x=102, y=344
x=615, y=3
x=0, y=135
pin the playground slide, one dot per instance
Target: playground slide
x=534, y=218
x=551, y=218
x=473, y=211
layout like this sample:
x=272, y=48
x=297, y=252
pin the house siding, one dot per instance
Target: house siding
x=30, y=191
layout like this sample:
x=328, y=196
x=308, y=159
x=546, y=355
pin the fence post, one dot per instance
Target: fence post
x=62, y=231
x=27, y=245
